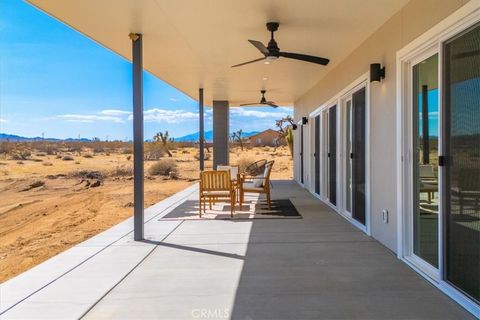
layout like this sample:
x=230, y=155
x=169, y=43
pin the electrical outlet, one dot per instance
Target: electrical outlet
x=385, y=215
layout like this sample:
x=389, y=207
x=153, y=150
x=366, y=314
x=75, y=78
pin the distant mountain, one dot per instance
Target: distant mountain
x=193, y=137
x=15, y=138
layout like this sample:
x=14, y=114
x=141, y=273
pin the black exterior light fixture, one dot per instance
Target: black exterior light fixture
x=377, y=73
x=304, y=120
x=294, y=126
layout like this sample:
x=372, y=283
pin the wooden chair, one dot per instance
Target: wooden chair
x=248, y=184
x=216, y=186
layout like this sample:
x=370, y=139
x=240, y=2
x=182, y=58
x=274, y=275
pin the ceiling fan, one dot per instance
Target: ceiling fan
x=262, y=101
x=272, y=51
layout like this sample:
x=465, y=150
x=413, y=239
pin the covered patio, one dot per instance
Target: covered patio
x=319, y=266
x=316, y=267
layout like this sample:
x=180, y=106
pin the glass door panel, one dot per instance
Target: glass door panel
x=348, y=152
x=425, y=160
x=462, y=170
x=332, y=154
x=358, y=155
x=301, y=153
x=316, y=154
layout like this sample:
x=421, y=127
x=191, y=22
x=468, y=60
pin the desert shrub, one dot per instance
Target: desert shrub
x=244, y=162
x=88, y=155
x=126, y=151
x=163, y=168
x=153, y=151
x=77, y=162
x=87, y=174
x=47, y=164
x=5, y=147
x=185, y=151
x=37, y=160
x=206, y=156
x=41, y=154
x=122, y=171
x=46, y=148
x=20, y=162
x=75, y=147
x=21, y=155
x=67, y=158
x=58, y=156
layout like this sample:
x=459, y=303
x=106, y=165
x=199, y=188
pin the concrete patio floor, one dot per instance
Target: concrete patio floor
x=318, y=267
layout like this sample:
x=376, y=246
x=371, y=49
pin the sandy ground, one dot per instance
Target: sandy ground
x=45, y=207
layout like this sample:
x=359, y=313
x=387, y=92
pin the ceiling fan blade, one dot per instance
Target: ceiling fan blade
x=248, y=62
x=249, y=104
x=272, y=104
x=260, y=46
x=305, y=57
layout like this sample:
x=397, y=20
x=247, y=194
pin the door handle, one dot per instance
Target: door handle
x=442, y=161
x=351, y=155
x=314, y=154
x=328, y=155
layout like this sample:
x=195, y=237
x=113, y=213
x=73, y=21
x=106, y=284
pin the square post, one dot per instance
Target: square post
x=202, y=129
x=137, y=65
x=221, y=133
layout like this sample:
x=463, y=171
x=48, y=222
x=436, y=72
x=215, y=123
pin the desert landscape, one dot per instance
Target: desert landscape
x=57, y=194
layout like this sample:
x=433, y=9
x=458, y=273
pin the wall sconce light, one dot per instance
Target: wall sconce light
x=294, y=126
x=304, y=120
x=377, y=73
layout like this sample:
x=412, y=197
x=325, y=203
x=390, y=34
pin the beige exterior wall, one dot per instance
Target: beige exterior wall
x=410, y=22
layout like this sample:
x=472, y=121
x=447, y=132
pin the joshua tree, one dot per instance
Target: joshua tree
x=238, y=136
x=284, y=126
x=165, y=140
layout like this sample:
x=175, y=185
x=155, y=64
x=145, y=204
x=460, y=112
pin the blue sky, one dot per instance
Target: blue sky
x=55, y=81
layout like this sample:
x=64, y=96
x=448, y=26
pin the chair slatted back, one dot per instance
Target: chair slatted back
x=215, y=181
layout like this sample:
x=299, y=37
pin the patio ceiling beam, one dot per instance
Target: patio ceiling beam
x=138, y=172
x=201, y=127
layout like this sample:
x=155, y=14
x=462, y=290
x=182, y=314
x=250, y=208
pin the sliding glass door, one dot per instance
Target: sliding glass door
x=461, y=107
x=332, y=155
x=442, y=175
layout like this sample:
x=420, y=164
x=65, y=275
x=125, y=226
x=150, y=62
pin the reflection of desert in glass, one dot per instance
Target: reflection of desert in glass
x=57, y=194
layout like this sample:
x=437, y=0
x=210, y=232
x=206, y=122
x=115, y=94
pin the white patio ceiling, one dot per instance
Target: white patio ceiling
x=192, y=43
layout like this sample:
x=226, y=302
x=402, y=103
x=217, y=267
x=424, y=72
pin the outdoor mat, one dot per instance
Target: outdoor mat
x=251, y=209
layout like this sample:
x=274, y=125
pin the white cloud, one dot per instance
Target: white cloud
x=2, y=120
x=168, y=116
x=173, y=100
x=244, y=112
x=89, y=118
x=115, y=112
